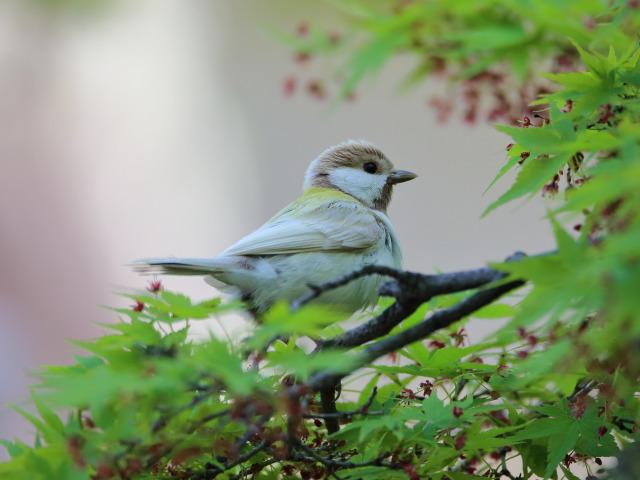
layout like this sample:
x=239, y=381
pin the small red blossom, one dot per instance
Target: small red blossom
x=302, y=29
x=427, y=388
x=288, y=469
x=568, y=106
x=526, y=122
x=606, y=113
x=134, y=466
x=458, y=337
x=602, y=430
x=579, y=406
x=442, y=107
x=302, y=57
x=601, y=410
x=154, y=285
x=461, y=441
x=410, y=470
x=87, y=422
x=457, y=411
x=471, y=115
x=523, y=354
x=104, y=471
x=436, y=344
x=317, y=90
x=438, y=64
x=138, y=307
x=568, y=460
x=74, y=447
x=523, y=157
x=334, y=38
x=407, y=393
x=589, y=23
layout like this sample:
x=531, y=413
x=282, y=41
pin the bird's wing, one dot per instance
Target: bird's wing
x=305, y=226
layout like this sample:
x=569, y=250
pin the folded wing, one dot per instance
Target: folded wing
x=335, y=226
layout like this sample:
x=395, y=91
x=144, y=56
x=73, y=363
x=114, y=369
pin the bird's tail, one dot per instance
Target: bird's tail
x=182, y=266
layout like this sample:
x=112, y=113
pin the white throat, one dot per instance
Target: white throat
x=366, y=187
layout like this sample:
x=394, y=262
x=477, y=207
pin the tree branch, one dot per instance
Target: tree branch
x=410, y=291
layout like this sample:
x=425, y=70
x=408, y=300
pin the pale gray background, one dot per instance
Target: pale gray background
x=159, y=127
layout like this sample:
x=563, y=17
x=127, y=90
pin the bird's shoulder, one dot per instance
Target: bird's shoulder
x=321, y=201
x=321, y=219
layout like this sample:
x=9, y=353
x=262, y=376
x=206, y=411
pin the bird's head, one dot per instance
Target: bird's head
x=357, y=168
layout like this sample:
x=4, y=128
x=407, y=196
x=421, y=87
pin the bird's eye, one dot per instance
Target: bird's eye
x=370, y=167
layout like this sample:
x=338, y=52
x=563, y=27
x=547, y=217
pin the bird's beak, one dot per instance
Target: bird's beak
x=399, y=176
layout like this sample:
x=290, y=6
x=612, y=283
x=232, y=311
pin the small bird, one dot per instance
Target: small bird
x=338, y=225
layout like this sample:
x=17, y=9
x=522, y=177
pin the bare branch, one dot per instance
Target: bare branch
x=436, y=321
x=328, y=402
x=410, y=290
x=363, y=410
x=439, y=320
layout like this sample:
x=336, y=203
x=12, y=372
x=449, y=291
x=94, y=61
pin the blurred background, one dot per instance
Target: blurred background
x=160, y=127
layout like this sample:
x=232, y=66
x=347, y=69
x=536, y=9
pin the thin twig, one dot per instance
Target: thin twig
x=324, y=461
x=317, y=290
x=260, y=466
x=582, y=389
x=238, y=460
x=197, y=398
